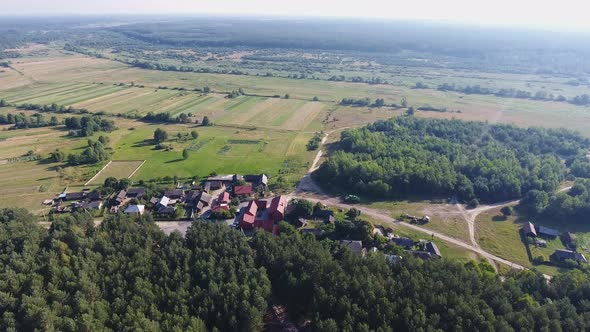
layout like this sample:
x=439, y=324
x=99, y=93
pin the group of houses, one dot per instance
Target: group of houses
x=539, y=236
x=213, y=195
x=75, y=201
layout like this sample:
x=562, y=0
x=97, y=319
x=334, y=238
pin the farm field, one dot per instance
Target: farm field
x=87, y=72
x=218, y=149
x=118, y=169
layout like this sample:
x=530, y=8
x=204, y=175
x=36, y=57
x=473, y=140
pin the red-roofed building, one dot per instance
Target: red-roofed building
x=264, y=214
x=243, y=190
x=249, y=217
x=276, y=211
x=223, y=198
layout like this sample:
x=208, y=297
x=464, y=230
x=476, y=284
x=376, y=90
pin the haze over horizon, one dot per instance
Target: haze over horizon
x=565, y=15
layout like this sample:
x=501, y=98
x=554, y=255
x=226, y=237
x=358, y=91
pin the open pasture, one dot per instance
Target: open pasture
x=218, y=149
x=118, y=169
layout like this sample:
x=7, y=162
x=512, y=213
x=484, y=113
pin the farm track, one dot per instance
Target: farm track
x=309, y=190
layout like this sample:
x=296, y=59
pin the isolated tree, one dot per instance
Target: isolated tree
x=410, y=111
x=160, y=135
x=57, y=156
x=287, y=96
x=206, y=89
x=316, y=98
x=507, y=211
x=206, y=121
x=2, y=103
x=111, y=182
x=194, y=134
x=353, y=213
x=404, y=102
x=185, y=154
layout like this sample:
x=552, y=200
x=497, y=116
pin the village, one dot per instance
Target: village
x=243, y=203
x=538, y=237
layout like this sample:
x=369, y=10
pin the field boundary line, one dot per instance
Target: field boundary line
x=95, y=175
x=137, y=169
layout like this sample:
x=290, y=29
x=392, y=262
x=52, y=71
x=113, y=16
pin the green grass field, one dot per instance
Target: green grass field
x=118, y=169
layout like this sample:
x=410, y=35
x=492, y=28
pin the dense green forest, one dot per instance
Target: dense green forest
x=572, y=206
x=473, y=160
x=127, y=275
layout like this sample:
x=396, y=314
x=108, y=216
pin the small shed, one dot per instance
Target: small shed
x=528, y=229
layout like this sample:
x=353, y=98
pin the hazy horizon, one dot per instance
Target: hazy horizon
x=568, y=15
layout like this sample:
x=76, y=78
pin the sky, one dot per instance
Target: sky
x=562, y=14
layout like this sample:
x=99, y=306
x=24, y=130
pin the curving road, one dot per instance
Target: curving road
x=309, y=190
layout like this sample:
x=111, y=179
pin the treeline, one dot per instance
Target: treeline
x=358, y=79
x=166, y=118
x=186, y=69
x=126, y=274
x=87, y=125
x=510, y=93
x=572, y=206
x=379, y=102
x=53, y=108
x=22, y=121
x=473, y=160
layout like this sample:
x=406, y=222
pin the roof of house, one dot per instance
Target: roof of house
x=421, y=254
x=167, y=210
x=548, y=231
x=223, y=197
x=135, y=192
x=433, y=249
x=355, y=246
x=164, y=201
x=94, y=196
x=278, y=204
x=243, y=190
x=192, y=195
x=257, y=179
x=205, y=198
x=249, y=215
x=529, y=228
x=154, y=200
x=569, y=237
x=568, y=254
x=403, y=241
x=223, y=178
x=174, y=193
x=92, y=205
x=121, y=195
x=74, y=196
x=135, y=209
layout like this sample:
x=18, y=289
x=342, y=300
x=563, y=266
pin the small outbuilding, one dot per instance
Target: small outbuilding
x=528, y=229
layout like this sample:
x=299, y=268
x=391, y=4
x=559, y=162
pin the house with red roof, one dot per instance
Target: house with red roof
x=276, y=211
x=264, y=214
x=221, y=203
x=243, y=190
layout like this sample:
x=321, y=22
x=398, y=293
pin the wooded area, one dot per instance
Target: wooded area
x=126, y=274
x=430, y=157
